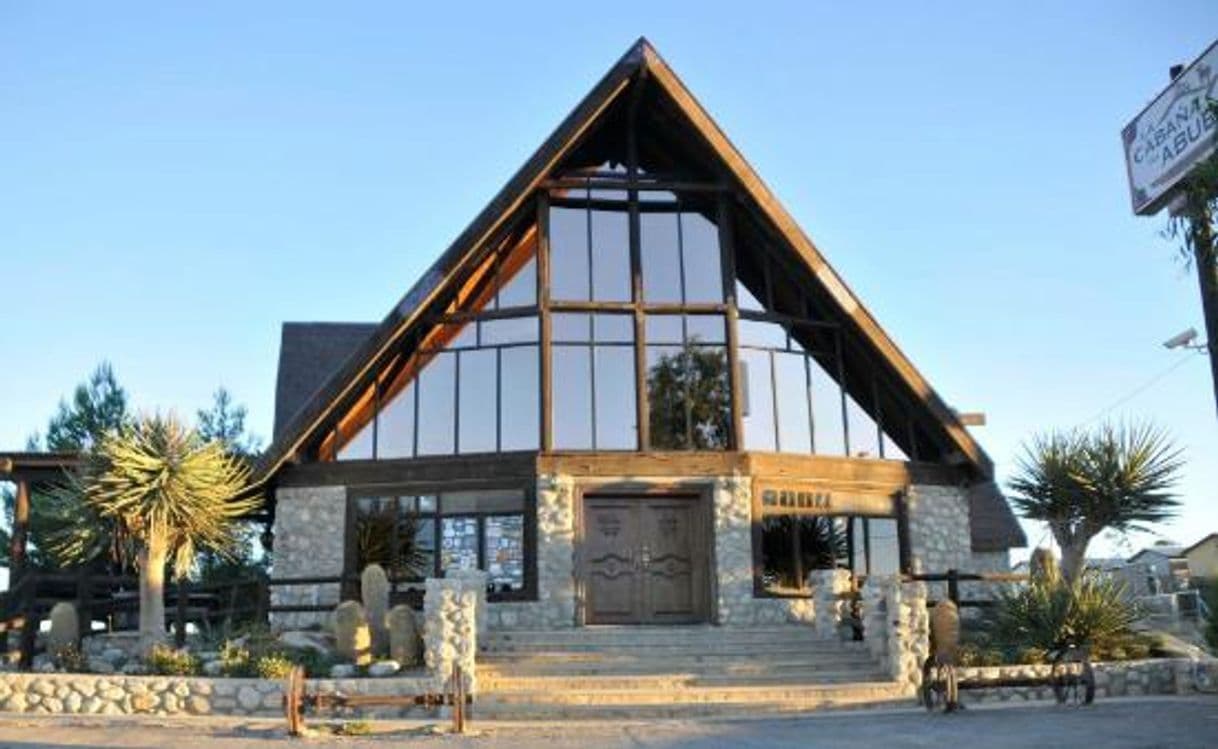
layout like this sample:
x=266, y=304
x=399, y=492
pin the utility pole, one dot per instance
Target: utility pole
x=1201, y=235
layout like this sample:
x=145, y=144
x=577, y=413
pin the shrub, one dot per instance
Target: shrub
x=166, y=661
x=70, y=659
x=274, y=666
x=235, y=660
x=1053, y=616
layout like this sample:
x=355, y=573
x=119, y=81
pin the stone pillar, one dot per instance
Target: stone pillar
x=310, y=526
x=450, y=629
x=829, y=607
x=733, y=551
x=556, y=551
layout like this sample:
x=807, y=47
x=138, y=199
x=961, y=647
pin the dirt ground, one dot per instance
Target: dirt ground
x=1178, y=723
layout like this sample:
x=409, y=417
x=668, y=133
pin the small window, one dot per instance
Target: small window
x=520, y=410
x=437, y=405
x=479, y=405
x=792, y=546
x=395, y=428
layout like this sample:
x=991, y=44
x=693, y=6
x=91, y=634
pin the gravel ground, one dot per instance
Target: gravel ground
x=1178, y=723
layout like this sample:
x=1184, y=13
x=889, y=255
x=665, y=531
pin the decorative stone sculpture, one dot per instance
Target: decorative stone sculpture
x=1043, y=566
x=374, y=590
x=352, y=639
x=65, y=627
x=404, y=639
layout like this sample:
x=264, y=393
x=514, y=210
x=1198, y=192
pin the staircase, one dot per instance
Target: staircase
x=673, y=672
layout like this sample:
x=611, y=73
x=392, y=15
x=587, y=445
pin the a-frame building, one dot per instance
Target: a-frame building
x=631, y=391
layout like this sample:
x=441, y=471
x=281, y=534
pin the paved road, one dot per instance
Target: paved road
x=1182, y=723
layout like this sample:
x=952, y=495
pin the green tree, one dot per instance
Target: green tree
x=689, y=399
x=168, y=494
x=1081, y=484
x=225, y=422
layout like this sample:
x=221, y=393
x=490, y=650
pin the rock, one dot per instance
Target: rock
x=384, y=668
x=65, y=628
x=43, y=664
x=134, y=668
x=143, y=703
x=197, y=705
x=352, y=638
x=249, y=698
x=113, y=656
x=180, y=690
x=342, y=671
x=170, y=703
x=72, y=703
x=52, y=704
x=17, y=703
x=404, y=641
x=213, y=668
x=44, y=688
x=304, y=640
x=100, y=666
x=374, y=590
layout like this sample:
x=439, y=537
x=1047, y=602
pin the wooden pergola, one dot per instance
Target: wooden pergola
x=29, y=470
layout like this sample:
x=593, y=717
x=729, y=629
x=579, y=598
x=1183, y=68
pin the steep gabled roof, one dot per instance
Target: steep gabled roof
x=641, y=60
x=1188, y=550
x=309, y=354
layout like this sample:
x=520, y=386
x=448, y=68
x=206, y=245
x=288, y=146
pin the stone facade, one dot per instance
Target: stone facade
x=309, y=536
x=940, y=539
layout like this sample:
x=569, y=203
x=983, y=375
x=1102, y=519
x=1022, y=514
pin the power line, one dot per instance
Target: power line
x=1188, y=356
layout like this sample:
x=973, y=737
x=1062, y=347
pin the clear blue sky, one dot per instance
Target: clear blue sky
x=177, y=180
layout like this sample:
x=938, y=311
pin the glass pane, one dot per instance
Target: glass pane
x=359, y=447
x=509, y=330
x=415, y=542
x=893, y=451
x=705, y=328
x=569, y=273
x=520, y=410
x=520, y=290
x=703, y=268
x=661, y=257
x=758, y=406
x=572, y=399
x=479, y=402
x=504, y=553
x=610, y=256
x=374, y=528
x=664, y=329
x=885, y=546
x=759, y=334
x=570, y=327
x=615, y=404
x=482, y=500
x=864, y=436
x=689, y=398
x=461, y=336
x=395, y=432
x=437, y=391
x=829, y=438
x=458, y=544
x=656, y=196
x=613, y=328
x=746, y=300
x=791, y=394
x=427, y=503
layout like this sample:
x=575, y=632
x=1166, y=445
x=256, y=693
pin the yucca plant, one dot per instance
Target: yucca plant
x=166, y=494
x=1053, y=615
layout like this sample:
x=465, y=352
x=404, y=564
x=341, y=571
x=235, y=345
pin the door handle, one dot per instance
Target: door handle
x=645, y=558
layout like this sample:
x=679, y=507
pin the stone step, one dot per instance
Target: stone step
x=501, y=684
x=661, y=650
x=791, y=634
x=591, y=662
x=686, y=702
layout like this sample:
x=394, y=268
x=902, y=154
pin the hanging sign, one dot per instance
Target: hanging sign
x=812, y=498
x=1172, y=134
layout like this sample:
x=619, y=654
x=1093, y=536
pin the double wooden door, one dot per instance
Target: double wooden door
x=645, y=560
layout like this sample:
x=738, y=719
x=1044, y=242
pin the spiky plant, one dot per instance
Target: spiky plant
x=1052, y=615
x=1117, y=478
x=168, y=494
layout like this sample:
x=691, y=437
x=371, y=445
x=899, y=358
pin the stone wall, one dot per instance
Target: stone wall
x=940, y=539
x=309, y=530
x=896, y=627
x=1112, y=679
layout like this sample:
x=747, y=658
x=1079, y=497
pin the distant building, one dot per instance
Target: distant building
x=1202, y=559
x=1157, y=569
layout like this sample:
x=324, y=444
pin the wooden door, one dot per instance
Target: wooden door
x=645, y=560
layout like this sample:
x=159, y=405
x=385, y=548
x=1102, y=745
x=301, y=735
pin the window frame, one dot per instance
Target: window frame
x=529, y=590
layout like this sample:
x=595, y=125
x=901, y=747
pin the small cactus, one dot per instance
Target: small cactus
x=404, y=640
x=352, y=639
x=1042, y=567
x=374, y=590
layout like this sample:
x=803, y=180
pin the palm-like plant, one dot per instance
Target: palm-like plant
x=1052, y=615
x=167, y=494
x=1118, y=478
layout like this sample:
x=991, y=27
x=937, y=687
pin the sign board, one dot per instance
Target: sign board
x=1172, y=134
x=811, y=498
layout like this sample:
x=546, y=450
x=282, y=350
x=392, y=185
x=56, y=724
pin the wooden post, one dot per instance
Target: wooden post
x=953, y=586
x=179, y=635
x=29, y=629
x=84, y=598
x=1202, y=239
x=21, y=524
